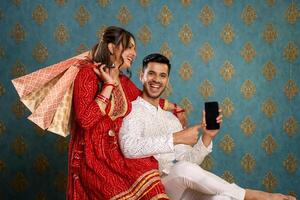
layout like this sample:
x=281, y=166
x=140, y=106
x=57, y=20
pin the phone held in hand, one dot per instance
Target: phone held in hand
x=110, y=66
x=211, y=114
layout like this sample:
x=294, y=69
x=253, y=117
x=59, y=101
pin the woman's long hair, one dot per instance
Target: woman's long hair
x=116, y=36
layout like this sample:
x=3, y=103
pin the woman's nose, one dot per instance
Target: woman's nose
x=134, y=53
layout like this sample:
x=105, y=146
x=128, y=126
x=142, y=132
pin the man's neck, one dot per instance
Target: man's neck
x=153, y=101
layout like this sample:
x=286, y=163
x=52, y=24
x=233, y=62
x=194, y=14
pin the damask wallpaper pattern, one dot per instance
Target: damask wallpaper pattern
x=244, y=54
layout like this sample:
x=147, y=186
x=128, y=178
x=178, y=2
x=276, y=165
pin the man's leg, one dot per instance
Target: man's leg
x=190, y=194
x=260, y=195
x=185, y=175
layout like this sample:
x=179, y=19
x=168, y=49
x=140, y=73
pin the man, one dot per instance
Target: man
x=150, y=131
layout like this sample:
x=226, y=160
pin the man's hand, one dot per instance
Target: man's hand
x=209, y=135
x=188, y=136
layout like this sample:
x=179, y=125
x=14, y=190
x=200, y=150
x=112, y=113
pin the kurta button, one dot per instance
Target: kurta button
x=111, y=133
x=75, y=176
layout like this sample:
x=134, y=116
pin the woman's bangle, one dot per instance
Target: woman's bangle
x=175, y=111
x=103, y=99
x=179, y=111
x=106, y=84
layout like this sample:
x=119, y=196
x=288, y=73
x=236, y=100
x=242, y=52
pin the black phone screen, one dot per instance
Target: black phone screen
x=211, y=113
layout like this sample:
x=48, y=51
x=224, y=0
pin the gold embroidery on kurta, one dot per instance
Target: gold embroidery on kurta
x=119, y=104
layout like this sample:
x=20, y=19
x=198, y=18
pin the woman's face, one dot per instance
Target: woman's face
x=128, y=55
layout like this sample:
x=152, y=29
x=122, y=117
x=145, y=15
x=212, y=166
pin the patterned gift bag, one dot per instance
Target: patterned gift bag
x=47, y=93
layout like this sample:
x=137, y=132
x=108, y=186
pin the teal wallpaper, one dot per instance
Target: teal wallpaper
x=244, y=54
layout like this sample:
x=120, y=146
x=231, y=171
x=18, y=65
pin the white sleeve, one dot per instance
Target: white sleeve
x=195, y=154
x=136, y=143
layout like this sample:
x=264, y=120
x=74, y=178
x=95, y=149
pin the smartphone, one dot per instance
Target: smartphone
x=110, y=66
x=211, y=114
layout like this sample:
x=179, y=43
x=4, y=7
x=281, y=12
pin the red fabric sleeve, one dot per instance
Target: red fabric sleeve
x=162, y=103
x=86, y=109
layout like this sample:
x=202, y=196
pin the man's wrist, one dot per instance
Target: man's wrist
x=177, y=138
x=206, y=139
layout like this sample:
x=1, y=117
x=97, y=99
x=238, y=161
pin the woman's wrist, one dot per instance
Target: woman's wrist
x=172, y=107
x=176, y=109
x=112, y=84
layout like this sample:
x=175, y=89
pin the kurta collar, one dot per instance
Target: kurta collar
x=153, y=109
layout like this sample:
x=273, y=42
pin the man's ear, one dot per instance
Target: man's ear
x=141, y=75
x=111, y=48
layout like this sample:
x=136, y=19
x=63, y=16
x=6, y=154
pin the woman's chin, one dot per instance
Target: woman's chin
x=126, y=66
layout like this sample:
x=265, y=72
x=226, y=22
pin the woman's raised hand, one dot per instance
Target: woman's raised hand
x=106, y=74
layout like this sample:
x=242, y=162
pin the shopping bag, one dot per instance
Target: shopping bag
x=48, y=92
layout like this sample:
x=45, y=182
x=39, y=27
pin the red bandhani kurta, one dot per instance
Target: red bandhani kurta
x=97, y=168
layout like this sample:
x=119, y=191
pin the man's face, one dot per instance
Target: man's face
x=155, y=79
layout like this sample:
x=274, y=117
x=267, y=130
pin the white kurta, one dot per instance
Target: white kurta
x=148, y=131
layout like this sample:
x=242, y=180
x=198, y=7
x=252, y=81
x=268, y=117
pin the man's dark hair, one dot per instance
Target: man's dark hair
x=156, y=57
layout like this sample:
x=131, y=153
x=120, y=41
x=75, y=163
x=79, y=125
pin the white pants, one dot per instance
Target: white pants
x=188, y=181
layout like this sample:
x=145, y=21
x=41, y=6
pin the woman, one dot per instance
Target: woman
x=101, y=98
